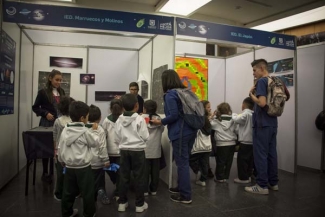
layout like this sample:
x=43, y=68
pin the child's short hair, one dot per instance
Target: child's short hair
x=78, y=109
x=249, y=103
x=94, y=113
x=129, y=101
x=64, y=104
x=116, y=107
x=223, y=109
x=134, y=84
x=150, y=106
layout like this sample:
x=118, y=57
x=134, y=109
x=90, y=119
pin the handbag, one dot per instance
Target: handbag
x=202, y=143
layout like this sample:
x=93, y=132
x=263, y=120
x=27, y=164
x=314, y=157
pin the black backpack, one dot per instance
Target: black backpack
x=320, y=121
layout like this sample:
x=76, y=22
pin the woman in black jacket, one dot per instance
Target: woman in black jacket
x=45, y=105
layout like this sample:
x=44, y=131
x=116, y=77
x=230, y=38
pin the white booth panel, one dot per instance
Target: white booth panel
x=182, y=47
x=114, y=69
x=9, y=130
x=26, y=97
x=239, y=80
x=42, y=56
x=286, y=128
x=311, y=69
x=69, y=38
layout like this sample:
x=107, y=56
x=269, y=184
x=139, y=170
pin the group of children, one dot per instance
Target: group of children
x=124, y=142
x=227, y=130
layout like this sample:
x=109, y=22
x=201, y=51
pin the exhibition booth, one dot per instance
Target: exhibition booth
x=100, y=52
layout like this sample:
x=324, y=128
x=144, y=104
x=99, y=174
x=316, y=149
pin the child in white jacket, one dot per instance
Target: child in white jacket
x=225, y=137
x=100, y=157
x=131, y=134
x=245, y=137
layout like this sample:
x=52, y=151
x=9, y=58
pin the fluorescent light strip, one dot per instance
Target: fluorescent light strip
x=182, y=7
x=295, y=20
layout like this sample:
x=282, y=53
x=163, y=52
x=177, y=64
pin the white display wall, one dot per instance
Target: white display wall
x=239, y=80
x=114, y=69
x=9, y=148
x=311, y=70
x=286, y=123
x=26, y=98
x=42, y=63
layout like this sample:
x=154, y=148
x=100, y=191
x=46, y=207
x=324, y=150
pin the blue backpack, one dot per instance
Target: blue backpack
x=193, y=110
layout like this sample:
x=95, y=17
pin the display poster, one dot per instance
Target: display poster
x=193, y=72
x=7, y=74
x=65, y=84
x=280, y=66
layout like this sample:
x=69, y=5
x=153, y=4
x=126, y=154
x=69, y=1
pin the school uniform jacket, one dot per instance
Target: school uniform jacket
x=225, y=130
x=112, y=146
x=245, y=126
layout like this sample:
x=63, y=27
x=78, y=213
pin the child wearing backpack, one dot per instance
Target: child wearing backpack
x=116, y=108
x=58, y=126
x=153, y=149
x=245, y=137
x=199, y=160
x=226, y=138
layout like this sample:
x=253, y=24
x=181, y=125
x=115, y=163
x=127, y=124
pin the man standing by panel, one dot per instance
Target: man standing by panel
x=264, y=134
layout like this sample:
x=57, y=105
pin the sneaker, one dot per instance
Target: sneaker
x=146, y=194
x=220, y=181
x=179, y=199
x=122, y=207
x=237, y=180
x=203, y=184
x=154, y=193
x=74, y=213
x=274, y=187
x=210, y=173
x=174, y=190
x=57, y=198
x=256, y=189
x=141, y=208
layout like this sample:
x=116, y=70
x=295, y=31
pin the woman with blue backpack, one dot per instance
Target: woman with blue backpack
x=180, y=133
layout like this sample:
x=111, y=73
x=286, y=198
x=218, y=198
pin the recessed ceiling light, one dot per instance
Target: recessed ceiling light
x=180, y=7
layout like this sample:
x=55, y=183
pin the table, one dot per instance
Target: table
x=38, y=144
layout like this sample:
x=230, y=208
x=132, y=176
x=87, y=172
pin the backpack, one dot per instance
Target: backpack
x=276, y=96
x=320, y=121
x=193, y=110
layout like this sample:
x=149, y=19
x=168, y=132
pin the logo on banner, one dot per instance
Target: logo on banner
x=290, y=43
x=281, y=41
x=152, y=24
x=273, y=40
x=38, y=15
x=192, y=26
x=25, y=12
x=140, y=23
x=202, y=29
x=182, y=25
x=11, y=11
x=166, y=26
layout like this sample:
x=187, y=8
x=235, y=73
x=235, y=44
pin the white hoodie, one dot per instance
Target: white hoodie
x=112, y=146
x=100, y=156
x=58, y=126
x=245, y=126
x=131, y=132
x=224, y=131
x=75, y=143
x=153, y=148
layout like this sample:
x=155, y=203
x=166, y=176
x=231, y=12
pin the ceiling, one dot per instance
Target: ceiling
x=247, y=13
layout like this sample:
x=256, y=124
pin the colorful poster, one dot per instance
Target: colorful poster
x=194, y=74
x=7, y=74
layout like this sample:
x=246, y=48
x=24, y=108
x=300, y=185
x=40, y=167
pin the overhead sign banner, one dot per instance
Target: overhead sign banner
x=51, y=15
x=234, y=34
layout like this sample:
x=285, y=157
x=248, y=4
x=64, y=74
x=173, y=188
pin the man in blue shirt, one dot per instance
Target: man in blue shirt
x=264, y=134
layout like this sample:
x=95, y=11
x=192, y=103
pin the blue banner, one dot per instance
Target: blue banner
x=50, y=15
x=234, y=34
x=7, y=74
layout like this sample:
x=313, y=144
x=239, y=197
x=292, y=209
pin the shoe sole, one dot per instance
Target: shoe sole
x=122, y=210
x=185, y=202
x=257, y=192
